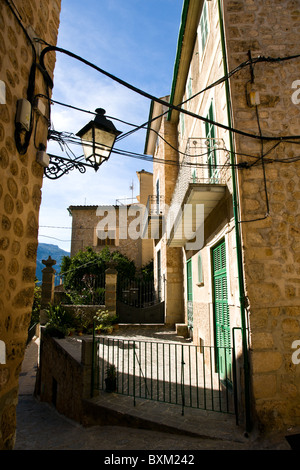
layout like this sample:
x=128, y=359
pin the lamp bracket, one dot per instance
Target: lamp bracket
x=59, y=166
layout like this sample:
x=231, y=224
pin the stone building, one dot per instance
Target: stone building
x=230, y=148
x=118, y=227
x=22, y=130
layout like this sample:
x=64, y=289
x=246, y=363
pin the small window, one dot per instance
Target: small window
x=200, y=270
x=157, y=208
x=2, y=353
x=109, y=240
x=210, y=133
x=203, y=28
x=194, y=177
x=190, y=88
x=181, y=121
x=106, y=242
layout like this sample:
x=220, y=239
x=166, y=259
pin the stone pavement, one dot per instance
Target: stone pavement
x=41, y=427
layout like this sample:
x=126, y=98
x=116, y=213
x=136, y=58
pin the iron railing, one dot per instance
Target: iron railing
x=88, y=289
x=174, y=373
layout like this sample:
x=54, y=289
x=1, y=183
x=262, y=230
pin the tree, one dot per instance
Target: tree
x=79, y=270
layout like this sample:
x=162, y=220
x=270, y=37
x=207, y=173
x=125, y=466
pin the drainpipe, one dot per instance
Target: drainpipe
x=237, y=233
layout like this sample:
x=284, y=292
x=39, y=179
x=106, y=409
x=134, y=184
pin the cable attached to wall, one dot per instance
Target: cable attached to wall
x=22, y=135
x=262, y=154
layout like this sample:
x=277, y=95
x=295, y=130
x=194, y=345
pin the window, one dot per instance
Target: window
x=203, y=28
x=211, y=151
x=189, y=85
x=109, y=240
x=189, y=90
x=106, y=242
x=194, y=177
x=200, y=270
x=157, y=196
x=181, y=122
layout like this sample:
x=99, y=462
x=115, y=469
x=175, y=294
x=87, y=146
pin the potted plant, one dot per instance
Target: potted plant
x=111, y=378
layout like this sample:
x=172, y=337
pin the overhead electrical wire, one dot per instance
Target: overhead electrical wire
x=50, y=48
x=171, y=107
x=63, y=138
x=22, y=137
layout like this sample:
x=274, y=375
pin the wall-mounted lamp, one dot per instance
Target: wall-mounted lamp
x=97, y=139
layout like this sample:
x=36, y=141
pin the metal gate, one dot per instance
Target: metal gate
x=176, y=373
x=137, y=302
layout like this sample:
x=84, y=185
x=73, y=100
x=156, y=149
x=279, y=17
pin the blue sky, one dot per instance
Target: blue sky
x=134, y=40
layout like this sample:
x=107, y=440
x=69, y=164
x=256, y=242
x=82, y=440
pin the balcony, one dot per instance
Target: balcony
x=153, y=217
x=201, y=184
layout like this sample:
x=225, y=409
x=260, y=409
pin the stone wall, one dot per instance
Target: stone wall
x=269, y=199
x=64, y=377
x=20, y=188
x=84, y=223
x=171, y=258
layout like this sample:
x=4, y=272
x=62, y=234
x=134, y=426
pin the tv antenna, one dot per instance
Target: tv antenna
x=131, y=187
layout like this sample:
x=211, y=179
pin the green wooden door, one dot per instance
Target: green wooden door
x=189, y=293
x=221, y=312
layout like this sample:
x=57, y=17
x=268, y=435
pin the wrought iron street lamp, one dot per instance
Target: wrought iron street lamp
x=98, y=138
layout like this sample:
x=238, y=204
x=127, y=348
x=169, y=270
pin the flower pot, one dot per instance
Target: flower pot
x=111, y=385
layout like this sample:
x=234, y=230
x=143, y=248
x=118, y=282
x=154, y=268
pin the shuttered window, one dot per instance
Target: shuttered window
x=221, y=296
x=221, y=310
x=203, y=27
x=200, y=270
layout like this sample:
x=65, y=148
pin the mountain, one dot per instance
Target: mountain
x=43, y=252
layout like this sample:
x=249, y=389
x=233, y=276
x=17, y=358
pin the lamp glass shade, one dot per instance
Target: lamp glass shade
x=98, y=138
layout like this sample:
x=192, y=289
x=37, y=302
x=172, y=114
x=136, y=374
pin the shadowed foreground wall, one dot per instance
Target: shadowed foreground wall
x=20, y=188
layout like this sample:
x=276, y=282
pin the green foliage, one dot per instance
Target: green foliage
x=87, y=295
x=83, y=271
x=104, y=321
x=147, y=272
x=60, y=321
x=36, y=307
x=83, y=262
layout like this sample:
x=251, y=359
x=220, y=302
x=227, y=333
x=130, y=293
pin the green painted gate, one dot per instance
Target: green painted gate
x=221, y=313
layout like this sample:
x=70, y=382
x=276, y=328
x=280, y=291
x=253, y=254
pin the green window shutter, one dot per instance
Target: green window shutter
x=221, y=311
x=194, y=176
x=204, y=26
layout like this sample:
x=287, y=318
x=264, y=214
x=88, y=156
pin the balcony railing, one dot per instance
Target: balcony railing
x=207, y=160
